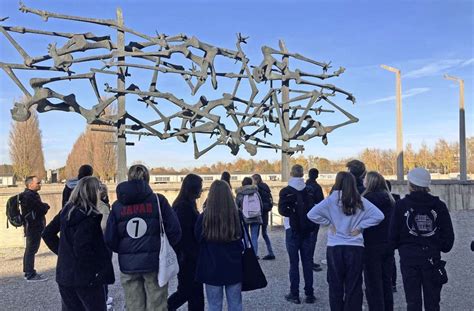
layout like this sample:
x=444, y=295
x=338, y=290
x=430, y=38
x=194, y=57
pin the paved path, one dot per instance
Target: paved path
x=16, y=294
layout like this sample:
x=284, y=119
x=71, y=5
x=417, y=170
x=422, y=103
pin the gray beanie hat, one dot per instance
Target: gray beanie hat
x=419, y=177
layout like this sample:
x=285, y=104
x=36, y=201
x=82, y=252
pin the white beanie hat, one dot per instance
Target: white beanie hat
x=419, y=177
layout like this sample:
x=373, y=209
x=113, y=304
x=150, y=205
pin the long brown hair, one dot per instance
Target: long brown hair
x=376, y=183
x=349, y=196
x=221, y=222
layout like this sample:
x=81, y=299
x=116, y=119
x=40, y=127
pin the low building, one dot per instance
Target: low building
x=7, y=177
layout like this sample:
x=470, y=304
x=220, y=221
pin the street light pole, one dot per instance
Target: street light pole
x=462, y=128
x=399, y=121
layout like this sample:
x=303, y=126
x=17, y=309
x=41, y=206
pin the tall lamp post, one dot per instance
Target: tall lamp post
x=399, y=121
x=462, y=128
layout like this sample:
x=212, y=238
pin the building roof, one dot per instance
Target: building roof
x=6, y=170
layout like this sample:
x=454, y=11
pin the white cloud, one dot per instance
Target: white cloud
x=408, y=93
x=438, y=67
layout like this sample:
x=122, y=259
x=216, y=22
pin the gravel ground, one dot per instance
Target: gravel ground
x=16, y=294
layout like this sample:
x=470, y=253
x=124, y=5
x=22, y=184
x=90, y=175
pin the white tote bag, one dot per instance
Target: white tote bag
x=168, y=266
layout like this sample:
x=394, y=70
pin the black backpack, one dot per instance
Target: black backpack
x=13, y=212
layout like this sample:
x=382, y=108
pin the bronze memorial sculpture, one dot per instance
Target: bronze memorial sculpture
x=236, y=118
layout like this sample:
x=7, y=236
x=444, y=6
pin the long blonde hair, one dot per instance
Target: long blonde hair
x=85, y=196
x=221, y=221
x=376, y=183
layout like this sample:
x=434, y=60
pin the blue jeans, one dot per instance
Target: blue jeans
x=254, y=230
x=266, y=238
x=215, y=297
x=300, y=246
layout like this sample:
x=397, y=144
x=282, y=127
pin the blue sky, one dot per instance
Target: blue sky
x=425, y=39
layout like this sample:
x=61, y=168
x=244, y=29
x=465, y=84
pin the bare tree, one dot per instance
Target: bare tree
x=26, y=149
x=94, y=148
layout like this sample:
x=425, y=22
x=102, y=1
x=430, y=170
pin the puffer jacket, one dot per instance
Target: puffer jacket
x=239, y=200
x=133, y=227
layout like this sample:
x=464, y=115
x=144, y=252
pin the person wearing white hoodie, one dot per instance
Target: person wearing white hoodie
x=295, y=201
x=347, y=214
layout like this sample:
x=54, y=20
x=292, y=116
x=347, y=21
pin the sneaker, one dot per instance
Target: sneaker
x=317, y=267
x=310, y=299
x=293, y=298
x=269, y=257
x=324, y=262
x=394, y=288
x=110, y=300
x=36, y=278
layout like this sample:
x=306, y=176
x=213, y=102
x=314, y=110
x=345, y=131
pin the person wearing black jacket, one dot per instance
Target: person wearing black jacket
x=219, y=233
x=84, y=171
x=188, y=248
x=421, y=229
x=378, y=255
x=295, y=201
x=33, y=211
x=313, y=174
x=396, y=197
x=84, y=264
x=267, y=202
x=133, y=231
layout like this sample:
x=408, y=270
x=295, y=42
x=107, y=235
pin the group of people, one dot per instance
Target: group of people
x=366, y=223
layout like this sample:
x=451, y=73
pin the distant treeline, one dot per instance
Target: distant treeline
x=443, y=158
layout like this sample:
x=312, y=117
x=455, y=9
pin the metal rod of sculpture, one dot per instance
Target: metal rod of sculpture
x=462, y=128
x=246, y=118
x=398, y=87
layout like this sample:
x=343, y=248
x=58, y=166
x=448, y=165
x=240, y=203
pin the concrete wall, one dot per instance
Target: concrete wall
x=458, y=196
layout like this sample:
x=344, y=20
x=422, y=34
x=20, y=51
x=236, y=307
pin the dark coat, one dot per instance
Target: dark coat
x=83, y=258
x=267, y=201
x=318, y=194
x=188, y=246
x=435, y=230
x=133, y=227
x=296, y=205
x=33, y=210
x=218, y=263
x=378, y=235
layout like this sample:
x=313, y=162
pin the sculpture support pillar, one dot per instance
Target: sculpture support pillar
x=121, y=139
x=285, y=97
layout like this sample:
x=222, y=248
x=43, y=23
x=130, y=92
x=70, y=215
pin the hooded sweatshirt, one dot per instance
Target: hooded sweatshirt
x=133, y=227
x=239, y=200
x=70, y=185
x=329, y=212
x=294, y=203
x=421, y=228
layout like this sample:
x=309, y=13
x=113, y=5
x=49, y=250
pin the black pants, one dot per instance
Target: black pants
x=83, y=298
x=418, y=278
x=345, y=277
x=33, y=240
x=315, y=239
x=378, y=263
x=394, y=272
x=188, y=290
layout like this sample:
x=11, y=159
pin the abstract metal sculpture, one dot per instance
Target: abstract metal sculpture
x=245, y=119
